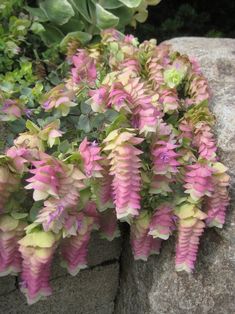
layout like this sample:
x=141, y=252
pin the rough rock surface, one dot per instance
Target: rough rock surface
x=93, y=290
x=154, y=287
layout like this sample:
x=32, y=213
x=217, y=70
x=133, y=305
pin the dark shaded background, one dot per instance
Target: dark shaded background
x=172, y=18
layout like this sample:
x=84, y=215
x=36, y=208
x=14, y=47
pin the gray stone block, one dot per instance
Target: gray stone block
x=7, y=285
x=91, y=291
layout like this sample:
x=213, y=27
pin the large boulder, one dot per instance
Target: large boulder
x=154, y=287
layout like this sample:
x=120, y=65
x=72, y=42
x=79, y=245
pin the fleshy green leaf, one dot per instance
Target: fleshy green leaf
x=82, y=8
x=37, y=28
x=84, y=123
x=38, y=13
x=51, y=35
x=17, y=215
x=131, y=3
x=105, y=19
x=110, y=4
x=32, y=127
x=58, y=11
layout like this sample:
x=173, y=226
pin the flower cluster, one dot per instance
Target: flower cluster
x=126, y=137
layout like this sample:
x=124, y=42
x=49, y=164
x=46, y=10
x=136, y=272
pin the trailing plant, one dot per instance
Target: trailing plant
x=126, y=136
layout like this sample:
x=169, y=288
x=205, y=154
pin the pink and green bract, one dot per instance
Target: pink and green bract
x=141, y=150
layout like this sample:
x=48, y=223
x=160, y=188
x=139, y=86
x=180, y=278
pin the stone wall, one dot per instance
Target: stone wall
x=154, y=287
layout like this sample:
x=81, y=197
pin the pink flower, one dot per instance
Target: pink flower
x=90, y=153
x=204, y=141
x=130, y=65
x=13, y=109
x=99, y=99
x=59, y=98
x=195, y=65
x=187, y=245
x=164, y=158
x=198, y=180
x=145, y=114
x=45, y=180
x=51, y=133
x=11, y=231
x=162, y=222
x=129, y=39
x=74, y=249
x=84, y=70
x=169, y=100
x=158, y=59
x=186, y=129
x=21, y=157
x=125, y=169
x=198, y=90
x=216, y=204
x=119, y=98
x=37, y=249
x=143, y=244
x=55, y=214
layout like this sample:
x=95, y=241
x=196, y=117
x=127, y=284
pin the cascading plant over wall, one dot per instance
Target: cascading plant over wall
x=127, y=136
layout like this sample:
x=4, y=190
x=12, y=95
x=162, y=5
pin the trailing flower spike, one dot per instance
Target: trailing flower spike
x=127, y=136
x=162, y=222
x=11, y=231
x=217, y=203
x=191, y=228
x=143, y=244
x=125, y=169
x=74, y=249
x=198, y=181
x=37, y=249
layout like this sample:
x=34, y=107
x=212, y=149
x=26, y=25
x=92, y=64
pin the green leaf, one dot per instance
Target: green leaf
x=51, y=35
x=111, y=115
x=131, y=3
x=97, y=121
x=82, y=8
x=73, y=25
x=64, y=146
x=117, y=123
x=35, y=210
x=37, y=28
x=32, y=127
x=17, y=215
x=125, y=16
x=58, y=11
x=83, y=37
x=17, y=126
x=85, y=108
x=110, y=4
x=104, y=18
x=84, y=124
x=6, y=86
x=38, y=13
